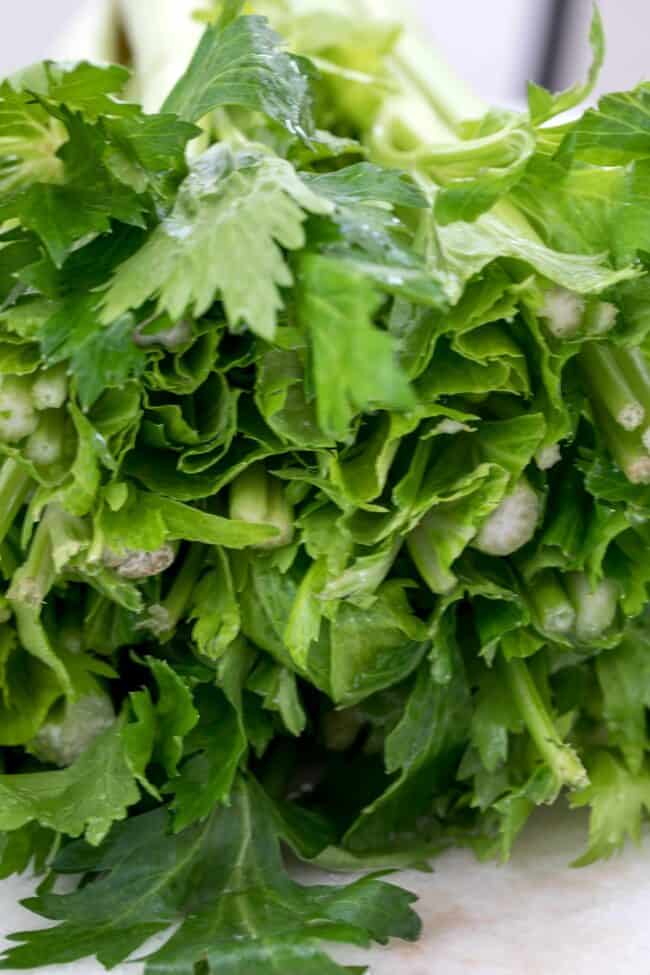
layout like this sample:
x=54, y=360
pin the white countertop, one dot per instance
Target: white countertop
x=534, y=916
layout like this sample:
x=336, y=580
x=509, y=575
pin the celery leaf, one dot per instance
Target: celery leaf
x=223, y=239
x=224, y=880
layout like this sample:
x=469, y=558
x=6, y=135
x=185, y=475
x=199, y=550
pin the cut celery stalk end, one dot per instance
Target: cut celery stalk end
x=562, y=311
x=608, y=383
x=553, y=611
x=512, y=524
x=595, y=606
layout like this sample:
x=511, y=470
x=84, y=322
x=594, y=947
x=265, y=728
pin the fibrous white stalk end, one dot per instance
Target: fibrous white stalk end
x=563, y=311
x=16, y=425
x=50, y=389
x=42, y=451
x=638, y=470
x=601, y=318
x=140, y=565
x=157, y=620
x=512, y=524
x=18, y=419
x=548, y=457
x=451, y=426
x=561, y=621
x=631, y=416
x=45, y=445
x=596, y=606
x=569, y=768
x=26, y=591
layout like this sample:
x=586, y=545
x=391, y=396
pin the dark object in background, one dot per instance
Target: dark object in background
x=560, y=13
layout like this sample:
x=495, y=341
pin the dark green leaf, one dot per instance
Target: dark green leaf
x=336, y=309
x=243, y=64
x=226, y=881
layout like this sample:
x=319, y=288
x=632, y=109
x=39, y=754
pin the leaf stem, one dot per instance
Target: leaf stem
x=35, y=577
x=560, y=757
x=259, y=499
x=423, y=543
x=426, y=72
x=165, y=616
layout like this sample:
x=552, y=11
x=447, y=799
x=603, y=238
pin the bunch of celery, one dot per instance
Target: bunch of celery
x=325, y=500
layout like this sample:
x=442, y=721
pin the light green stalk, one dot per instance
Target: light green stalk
x=626, y=447
x=609, y=384
x=634, y=366
x=595, y=606
x=260, y=499
x=560, y=757
x=18, y=417
x=45, y=445
x=554, y=613
x=164, y=617
x=15, y=484
x=50, y=388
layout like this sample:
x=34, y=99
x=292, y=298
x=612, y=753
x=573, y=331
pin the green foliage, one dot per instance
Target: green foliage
x=87, y=797
x=273, y=392
x=243, y=63
x=619, y=799
x=225, y=881
x=248, y=206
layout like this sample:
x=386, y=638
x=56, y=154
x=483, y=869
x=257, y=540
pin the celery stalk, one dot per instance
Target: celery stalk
x=424, y=71
x=35, y=577
x=563, y=312
x=554, y=613
x=595, y=606
x=608, y=382
x=626, y=446
x=634, y=366
x=260, y=499
x=161, y=43
x=163, y=617
x=560, y=757
x=71, y=729
x=92, y=34
x=421, y=545
x=45, y=445
x=18, y=418
x=50, y=388
x=547, y=457
x=15, y=484
x=600, y=317
x=512, y=524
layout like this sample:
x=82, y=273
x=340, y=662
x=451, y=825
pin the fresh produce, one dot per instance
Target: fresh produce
x=325, y=500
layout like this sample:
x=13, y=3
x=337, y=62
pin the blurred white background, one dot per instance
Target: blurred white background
x=495, y=44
